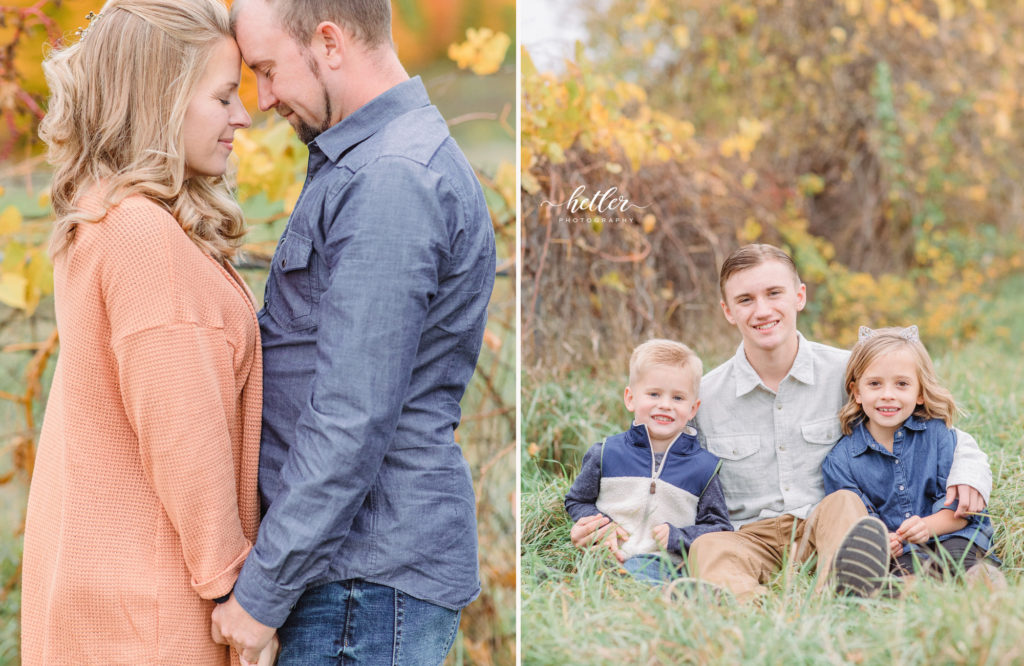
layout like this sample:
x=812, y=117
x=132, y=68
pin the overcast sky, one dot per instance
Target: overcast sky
x=549, y=29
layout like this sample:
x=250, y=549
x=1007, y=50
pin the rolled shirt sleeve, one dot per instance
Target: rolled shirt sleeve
x=970, y=466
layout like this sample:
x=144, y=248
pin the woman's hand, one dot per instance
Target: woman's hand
x=268, y=657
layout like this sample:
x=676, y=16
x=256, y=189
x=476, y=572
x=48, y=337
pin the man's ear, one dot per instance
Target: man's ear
x=330, y=42
x=728, y=315
x=801, y=295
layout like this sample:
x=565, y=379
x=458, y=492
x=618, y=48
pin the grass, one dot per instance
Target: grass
x=577, y=608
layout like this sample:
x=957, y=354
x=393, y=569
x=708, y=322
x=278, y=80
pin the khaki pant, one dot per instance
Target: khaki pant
x=743, y=561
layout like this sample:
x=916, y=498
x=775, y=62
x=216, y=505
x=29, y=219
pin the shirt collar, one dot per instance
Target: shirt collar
x=802, y=370
x=862, y=439
x=370, y=117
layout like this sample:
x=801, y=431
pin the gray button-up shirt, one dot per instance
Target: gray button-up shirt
x=375, y=310
x=772, y=443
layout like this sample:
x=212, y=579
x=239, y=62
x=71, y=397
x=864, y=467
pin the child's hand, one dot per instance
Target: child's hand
x=660, y=534
x=589, y=530
x=895, y=544
x=914, y=530
x=599, y=530
x=614, y=539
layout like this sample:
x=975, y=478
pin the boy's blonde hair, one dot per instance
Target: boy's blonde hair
x=665, y=352
x=938, y=401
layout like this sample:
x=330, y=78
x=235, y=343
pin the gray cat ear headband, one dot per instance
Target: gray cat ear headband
x=910, y=334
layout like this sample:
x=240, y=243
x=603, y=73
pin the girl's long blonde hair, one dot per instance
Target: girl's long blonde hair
x=938, y=401
x=117, y=105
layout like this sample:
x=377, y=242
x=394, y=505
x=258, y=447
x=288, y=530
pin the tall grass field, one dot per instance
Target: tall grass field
x=577, y=608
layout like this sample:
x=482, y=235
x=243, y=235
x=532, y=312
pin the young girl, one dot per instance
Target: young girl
x=897, y=450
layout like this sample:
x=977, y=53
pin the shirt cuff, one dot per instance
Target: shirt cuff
x=261, y=596
x=979, y=482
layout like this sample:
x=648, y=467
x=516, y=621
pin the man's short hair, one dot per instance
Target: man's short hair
x=369, y=20
x=750, y=256
x=665, y=352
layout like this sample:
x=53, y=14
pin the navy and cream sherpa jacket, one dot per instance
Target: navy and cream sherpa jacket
x=616, y=478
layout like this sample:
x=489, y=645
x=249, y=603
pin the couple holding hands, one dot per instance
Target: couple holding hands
x=213, y=481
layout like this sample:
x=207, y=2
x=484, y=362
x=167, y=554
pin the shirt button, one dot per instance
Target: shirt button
x=778, y=407
x=897, y=462
x=782, y=447
x=906, y=515
x=901, y=487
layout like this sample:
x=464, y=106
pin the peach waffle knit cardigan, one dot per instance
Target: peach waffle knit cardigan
x=143, y=503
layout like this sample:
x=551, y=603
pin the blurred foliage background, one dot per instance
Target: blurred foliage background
x=879, y=141
x=461, y=50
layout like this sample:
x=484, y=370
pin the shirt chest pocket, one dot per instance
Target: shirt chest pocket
x=292, y=290
x=734, y=447
x=825, y=432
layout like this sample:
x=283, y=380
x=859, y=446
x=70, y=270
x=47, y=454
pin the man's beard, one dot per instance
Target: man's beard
x=308, y=132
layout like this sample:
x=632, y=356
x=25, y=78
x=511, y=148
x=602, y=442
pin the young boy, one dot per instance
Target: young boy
x=651, y=489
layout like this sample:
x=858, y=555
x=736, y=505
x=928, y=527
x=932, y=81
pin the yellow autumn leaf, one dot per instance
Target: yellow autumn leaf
x=533, y=449
x=39, y=272
x=13, y=290
x=613, y=167
x=751, y=230
x=10, y=220
x=648, y=223
x=614, y=280
x=14, y=257
x=482, y=52
x=681, y=35
x=749, y=179
x=291, y=196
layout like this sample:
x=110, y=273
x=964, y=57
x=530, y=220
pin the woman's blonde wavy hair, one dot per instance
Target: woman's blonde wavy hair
x=938, y=401
x=117, y=106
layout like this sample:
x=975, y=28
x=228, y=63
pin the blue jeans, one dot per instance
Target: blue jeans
x=651, y=568
x=356, y=622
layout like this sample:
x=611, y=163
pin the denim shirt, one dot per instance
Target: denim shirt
x=909, y=481
x=374, y=314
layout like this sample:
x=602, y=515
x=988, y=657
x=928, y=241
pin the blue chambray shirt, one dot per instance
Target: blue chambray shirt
x=374, y=314
x=909, y=481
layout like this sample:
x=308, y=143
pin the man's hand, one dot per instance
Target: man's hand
x=914, y=530
x=971, y=500
x=895, y=544
x=232, y=625
x=660, y=534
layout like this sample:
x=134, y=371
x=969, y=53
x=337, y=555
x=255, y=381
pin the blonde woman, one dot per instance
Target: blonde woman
x=143, y=504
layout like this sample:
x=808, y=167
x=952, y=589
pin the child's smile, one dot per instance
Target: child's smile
x=889, y=391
